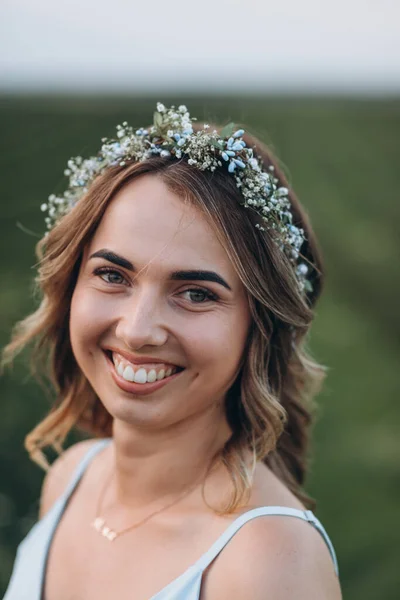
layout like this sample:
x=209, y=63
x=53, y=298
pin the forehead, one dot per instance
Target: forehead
x=146, y=222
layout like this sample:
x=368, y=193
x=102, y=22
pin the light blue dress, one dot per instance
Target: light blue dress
x=27, y=579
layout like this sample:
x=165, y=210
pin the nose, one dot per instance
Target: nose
x=140, y=322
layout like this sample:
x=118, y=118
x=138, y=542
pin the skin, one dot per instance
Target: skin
x=163, y=441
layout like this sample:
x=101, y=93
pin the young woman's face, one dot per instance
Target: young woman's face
x=159, y=318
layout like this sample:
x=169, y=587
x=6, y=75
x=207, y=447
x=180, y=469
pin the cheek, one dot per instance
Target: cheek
x=87, y=319
x=218, y=342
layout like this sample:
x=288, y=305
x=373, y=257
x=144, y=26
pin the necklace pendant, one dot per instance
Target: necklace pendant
x=100, y=525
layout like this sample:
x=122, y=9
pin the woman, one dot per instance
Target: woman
x=179, y=277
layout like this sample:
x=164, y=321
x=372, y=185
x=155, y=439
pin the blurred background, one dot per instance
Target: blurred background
x=321, y=84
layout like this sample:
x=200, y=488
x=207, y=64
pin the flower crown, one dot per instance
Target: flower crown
x=172, y=135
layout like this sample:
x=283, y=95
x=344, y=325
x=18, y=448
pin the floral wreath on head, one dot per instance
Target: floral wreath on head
x=172, y=135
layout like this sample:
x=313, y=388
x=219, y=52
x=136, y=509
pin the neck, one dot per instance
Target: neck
x=151, y=466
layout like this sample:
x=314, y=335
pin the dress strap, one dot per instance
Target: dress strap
x=306, y=515
x=82, y=465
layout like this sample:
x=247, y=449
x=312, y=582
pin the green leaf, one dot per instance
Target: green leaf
x=228, y=130
x=217, y=144
x=308, y=286
x=157, y=120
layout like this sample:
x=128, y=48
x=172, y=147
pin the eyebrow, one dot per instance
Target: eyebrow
x=189, y=275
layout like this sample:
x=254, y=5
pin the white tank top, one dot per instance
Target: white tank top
x=27, y=579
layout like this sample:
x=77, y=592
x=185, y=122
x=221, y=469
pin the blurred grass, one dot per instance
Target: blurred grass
x=342, y=160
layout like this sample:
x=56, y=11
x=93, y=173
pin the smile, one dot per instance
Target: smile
x=147, y=373
x=140, y=378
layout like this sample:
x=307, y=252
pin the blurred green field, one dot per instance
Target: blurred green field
x=341, y=156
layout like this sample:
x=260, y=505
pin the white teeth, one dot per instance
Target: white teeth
x=120, y=369
x=140, y=376
x=151, y=376
x=161, y=374
x=129, y=374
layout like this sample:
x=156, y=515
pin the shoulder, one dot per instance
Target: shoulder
x=60, y=473
x=275, y=557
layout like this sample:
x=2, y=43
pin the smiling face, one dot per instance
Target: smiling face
x=159, y=317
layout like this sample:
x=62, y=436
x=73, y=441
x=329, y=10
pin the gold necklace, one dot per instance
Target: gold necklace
x=110, y=534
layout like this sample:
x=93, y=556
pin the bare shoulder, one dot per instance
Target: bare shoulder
x=274, y=557
x=60, y=473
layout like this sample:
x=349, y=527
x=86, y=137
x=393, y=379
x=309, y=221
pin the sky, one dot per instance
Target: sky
x=208, y=46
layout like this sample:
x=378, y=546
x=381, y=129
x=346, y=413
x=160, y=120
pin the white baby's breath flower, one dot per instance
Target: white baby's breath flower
x=203, y=150
x=253, y=162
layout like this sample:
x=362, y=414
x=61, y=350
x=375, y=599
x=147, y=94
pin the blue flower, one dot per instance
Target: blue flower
x=302, y=269
x=239, y=163
x=282, y=191
x=237, y=146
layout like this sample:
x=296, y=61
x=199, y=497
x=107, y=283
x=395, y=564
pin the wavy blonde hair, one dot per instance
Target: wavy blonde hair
x=270, y=405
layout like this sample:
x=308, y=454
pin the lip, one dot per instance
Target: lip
x=139, y=389
x=139, y=360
